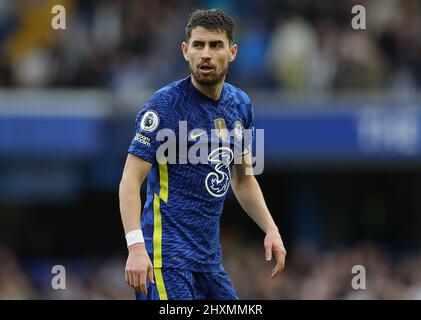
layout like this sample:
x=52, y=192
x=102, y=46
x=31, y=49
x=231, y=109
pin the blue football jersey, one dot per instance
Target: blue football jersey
x=181, y=215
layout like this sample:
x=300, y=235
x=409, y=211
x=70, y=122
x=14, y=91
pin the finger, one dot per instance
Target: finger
x=280, y=259
x=268, y=252
x=130, y=276
x=142, y=283
x=275, y=271
x=280, y=263
x=150, y=274
x=126, y=277
x=135, y=278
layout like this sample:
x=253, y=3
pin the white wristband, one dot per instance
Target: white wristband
x=135, y=236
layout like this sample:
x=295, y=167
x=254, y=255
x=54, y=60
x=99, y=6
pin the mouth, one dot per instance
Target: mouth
x=206, y=68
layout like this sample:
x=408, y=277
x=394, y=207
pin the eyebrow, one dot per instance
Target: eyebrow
x=212, y=42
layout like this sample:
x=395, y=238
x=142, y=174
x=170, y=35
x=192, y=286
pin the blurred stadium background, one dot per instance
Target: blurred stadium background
x=341, y=111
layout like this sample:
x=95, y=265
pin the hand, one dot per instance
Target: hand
x=273, y=243
x=138, y=266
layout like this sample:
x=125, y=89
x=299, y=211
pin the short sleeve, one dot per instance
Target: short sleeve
x=155, y=116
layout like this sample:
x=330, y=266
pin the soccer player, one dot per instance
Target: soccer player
x=174, y=248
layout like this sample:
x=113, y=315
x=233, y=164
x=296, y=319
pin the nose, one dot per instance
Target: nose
x=206, y=53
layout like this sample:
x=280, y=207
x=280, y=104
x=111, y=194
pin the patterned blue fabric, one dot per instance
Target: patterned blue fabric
x=188, y=285
x=196, y=192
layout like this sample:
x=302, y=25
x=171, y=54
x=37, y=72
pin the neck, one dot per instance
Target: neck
x=213, y=92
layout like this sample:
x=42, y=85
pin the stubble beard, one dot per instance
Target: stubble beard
x=211, y=79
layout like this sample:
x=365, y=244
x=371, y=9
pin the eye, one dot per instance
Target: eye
x=217, y=45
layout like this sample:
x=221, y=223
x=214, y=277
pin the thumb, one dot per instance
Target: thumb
x=150, y=275
x=268, y=254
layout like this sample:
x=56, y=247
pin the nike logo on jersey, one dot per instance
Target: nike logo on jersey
x=197, y=135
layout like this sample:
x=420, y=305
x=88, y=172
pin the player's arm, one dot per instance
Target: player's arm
x=249, y=195
x=138, y=264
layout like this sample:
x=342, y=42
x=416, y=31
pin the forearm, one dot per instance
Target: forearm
x=130, y=204
x=250, y=197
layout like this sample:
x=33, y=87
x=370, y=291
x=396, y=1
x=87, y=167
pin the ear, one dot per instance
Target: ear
x=233, y=52
x=185, y=50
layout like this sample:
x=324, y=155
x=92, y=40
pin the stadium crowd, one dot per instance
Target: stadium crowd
x=309, y=274
x=304, y=46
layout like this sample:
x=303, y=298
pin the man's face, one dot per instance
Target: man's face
x=208, y=53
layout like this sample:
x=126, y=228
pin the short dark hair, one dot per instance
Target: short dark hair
x=212, y=19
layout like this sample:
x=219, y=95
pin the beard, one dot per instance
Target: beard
x=210, y=79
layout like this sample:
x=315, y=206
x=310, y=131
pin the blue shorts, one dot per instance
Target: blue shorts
x=175, y=284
